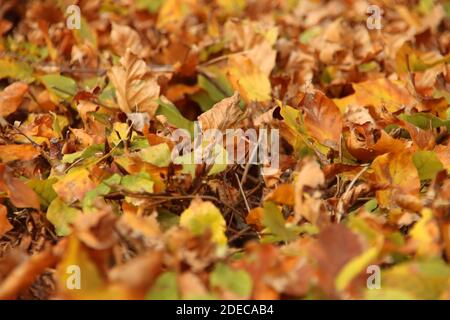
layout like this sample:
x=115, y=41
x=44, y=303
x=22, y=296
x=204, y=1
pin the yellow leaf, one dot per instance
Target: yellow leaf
x=74, y=185
x=426, y=235
x=398, y=174
x=203, y=215
x=78, y=277
x=174, y=11
x=248, y=78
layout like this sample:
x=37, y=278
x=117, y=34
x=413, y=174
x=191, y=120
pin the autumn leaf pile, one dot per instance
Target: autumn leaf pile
x=87, y=179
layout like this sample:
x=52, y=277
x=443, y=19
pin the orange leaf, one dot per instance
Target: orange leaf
x=383, y=92
x=283, y=194
x=322, y=118
x=11, y=98
x=12, y=152
x=21, y=195
x=255, y=217
x=5, y=226
x=398, y=172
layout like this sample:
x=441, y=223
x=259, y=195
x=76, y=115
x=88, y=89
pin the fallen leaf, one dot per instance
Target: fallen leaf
x=136, y=88
x=21, y=195
x=11, y=97
x=398, y=173
x=23, y=152
x=225, y=114
x=322, y=119
x=74, y=185
x=248, y=79
x=5, y=225
x=61, y=216
x=202, y=216
x=382, y=92
x=308, y=203
x=124, y=37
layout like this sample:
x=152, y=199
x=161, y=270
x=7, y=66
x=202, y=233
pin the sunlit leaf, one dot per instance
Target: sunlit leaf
x=202, y=216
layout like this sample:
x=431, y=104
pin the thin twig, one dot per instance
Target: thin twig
x=340, y=205
x=242, y=192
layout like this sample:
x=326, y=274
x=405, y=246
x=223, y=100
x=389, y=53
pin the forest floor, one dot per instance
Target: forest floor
x=212, y=149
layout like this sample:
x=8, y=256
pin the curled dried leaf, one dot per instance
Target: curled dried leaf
x=136, y=87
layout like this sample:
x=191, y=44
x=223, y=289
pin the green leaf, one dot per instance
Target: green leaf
x=388, y=294
x=293, y=118
x=447, y=8
x=371, y=205
x=309, y=34
x=165, y=288
x=101, y=190
x=61, y=216
x=138, y=183
x=218, y=153
x=167, y=219
x=425, y=6
x=107, y=97
x=427, y=164
x=60, y=86
x=139, y=143
x=215, y=87
x=425, y=120
x=83, y=154
x=238, y=282
x=367, y=67
x=44, y=190
x=151, y=5
x=274, y=221
x=157, y=155
x=174, y=116
x=59, y=123
x=15, y=70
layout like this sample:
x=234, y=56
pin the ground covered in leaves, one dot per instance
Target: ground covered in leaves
x=89, y=186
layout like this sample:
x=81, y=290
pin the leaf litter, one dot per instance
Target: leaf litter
x=89, y=183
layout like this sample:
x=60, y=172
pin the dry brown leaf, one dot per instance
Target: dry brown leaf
x=124, y=37
x=25, y=274
x=95, y=229
x=21, y=195
x=224, y=114
x=138, y=273
x=336, y=245
x=308, y=202
x=146, y=226
x=136, y=87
